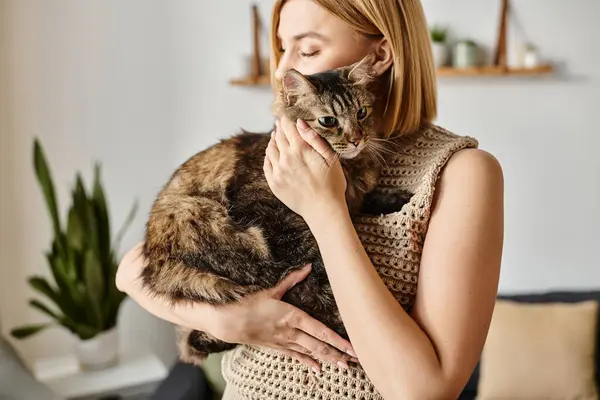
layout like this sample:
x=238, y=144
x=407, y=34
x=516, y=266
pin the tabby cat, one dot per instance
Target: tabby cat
x=216, y=232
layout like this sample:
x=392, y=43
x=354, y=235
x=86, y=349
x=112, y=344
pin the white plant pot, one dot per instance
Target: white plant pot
x=440, y=54
x=99, y=352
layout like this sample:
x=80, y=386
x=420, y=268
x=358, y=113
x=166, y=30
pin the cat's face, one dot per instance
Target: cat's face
x=337, y=104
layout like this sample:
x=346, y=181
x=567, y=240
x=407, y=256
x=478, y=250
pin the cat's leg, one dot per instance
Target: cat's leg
x=196, y=346
x=380, y=202
x=314, y=296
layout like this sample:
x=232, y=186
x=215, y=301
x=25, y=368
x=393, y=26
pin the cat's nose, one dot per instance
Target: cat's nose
x=356, y=141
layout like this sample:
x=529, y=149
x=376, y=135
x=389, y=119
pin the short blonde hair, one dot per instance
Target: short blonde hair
x=412, y=97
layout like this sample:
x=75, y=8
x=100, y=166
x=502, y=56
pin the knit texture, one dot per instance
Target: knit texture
x=394, y=243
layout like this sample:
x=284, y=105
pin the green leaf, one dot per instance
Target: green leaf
x=101, y=213
x=61, y=299
x=41, y=307
x=94, y=284
x=27, y=330
x=41, y=285
x=75, y=230
x=44, y=177
x=82, y=330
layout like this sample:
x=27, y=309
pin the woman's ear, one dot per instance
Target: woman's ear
x=384, y=56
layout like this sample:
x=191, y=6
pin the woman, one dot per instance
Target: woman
x=409, y=344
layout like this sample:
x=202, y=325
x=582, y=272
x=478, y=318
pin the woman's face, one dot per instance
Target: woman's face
x=313, y=40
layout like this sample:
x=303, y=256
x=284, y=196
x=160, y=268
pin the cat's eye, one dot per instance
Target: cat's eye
x=362, y=113
x=328, y=122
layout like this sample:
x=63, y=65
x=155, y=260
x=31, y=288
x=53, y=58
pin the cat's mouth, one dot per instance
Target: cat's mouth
x=352, y=151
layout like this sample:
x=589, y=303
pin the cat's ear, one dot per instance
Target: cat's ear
x=362, y=72
x=294, y=85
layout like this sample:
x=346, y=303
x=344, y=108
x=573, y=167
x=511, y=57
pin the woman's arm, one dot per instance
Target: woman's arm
x=261, y=319
x=432, y=355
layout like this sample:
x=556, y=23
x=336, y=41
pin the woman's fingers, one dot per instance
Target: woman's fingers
x=291, y=132
x=291, y=280
x=303, y=358
x=320, y=331
x=316, y=142
x=321, y=350
x=281, y=138
x=272, y=150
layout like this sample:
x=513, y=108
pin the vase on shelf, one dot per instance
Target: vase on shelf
x=439, y=46
x=440, y=54
x=465, y=54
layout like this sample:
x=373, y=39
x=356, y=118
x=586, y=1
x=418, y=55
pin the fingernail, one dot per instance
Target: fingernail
x=351, y=352
x=301, y=125
x=354, y=360
x=316, y=370
x=342, y=364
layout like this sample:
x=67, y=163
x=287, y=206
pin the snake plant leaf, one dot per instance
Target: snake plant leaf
x=94, y=283
x=62, y=300
x=44, y=177
x=80, y=201
x=41, y=285
x=82, y=330
x=101, y=213
x=27, y=330
x=43, y=308
x=75, y=230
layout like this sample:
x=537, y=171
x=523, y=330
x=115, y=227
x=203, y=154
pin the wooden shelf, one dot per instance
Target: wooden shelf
x=494, y=71
x=441, y=72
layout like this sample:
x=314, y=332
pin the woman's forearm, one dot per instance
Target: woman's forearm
x=396, y=354
x=194, y=316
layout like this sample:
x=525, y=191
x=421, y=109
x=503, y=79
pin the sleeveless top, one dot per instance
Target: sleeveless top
x=394, y=243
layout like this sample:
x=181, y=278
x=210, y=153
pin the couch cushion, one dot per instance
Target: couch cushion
x=563, y=296
x=540, y=351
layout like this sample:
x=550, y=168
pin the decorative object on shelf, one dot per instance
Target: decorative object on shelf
x=465, y=54
x=531, y=58
x=83, y=265
x=531, y=67
x=259, y=73
x=439, y=46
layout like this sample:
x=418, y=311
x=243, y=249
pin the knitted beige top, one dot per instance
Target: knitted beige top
x=394, y=243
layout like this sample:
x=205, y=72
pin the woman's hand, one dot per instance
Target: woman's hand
x=303, y=171
x=263, y=319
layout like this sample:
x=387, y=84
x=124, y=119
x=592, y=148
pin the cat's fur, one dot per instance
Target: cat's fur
x=216, y=232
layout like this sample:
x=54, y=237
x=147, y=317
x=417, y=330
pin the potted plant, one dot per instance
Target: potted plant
x=82, y=296
x=439, y=45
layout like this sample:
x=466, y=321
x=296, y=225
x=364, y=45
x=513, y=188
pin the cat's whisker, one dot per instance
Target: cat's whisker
x=374, y=155
x=336, y=157
x=390, y=141
x=317, y=156
x=381, y=147
x=378, y=157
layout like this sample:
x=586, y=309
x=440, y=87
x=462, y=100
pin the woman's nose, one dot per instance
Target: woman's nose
x=282, y=68
x=279, y=72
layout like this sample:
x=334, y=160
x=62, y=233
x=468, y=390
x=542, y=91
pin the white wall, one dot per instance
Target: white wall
x=141, y=85
x=544, y=132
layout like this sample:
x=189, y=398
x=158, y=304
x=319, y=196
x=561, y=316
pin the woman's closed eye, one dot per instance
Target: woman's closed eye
x=309, y=54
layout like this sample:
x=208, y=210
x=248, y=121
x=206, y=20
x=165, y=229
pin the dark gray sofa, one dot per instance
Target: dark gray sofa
x=470, y=391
